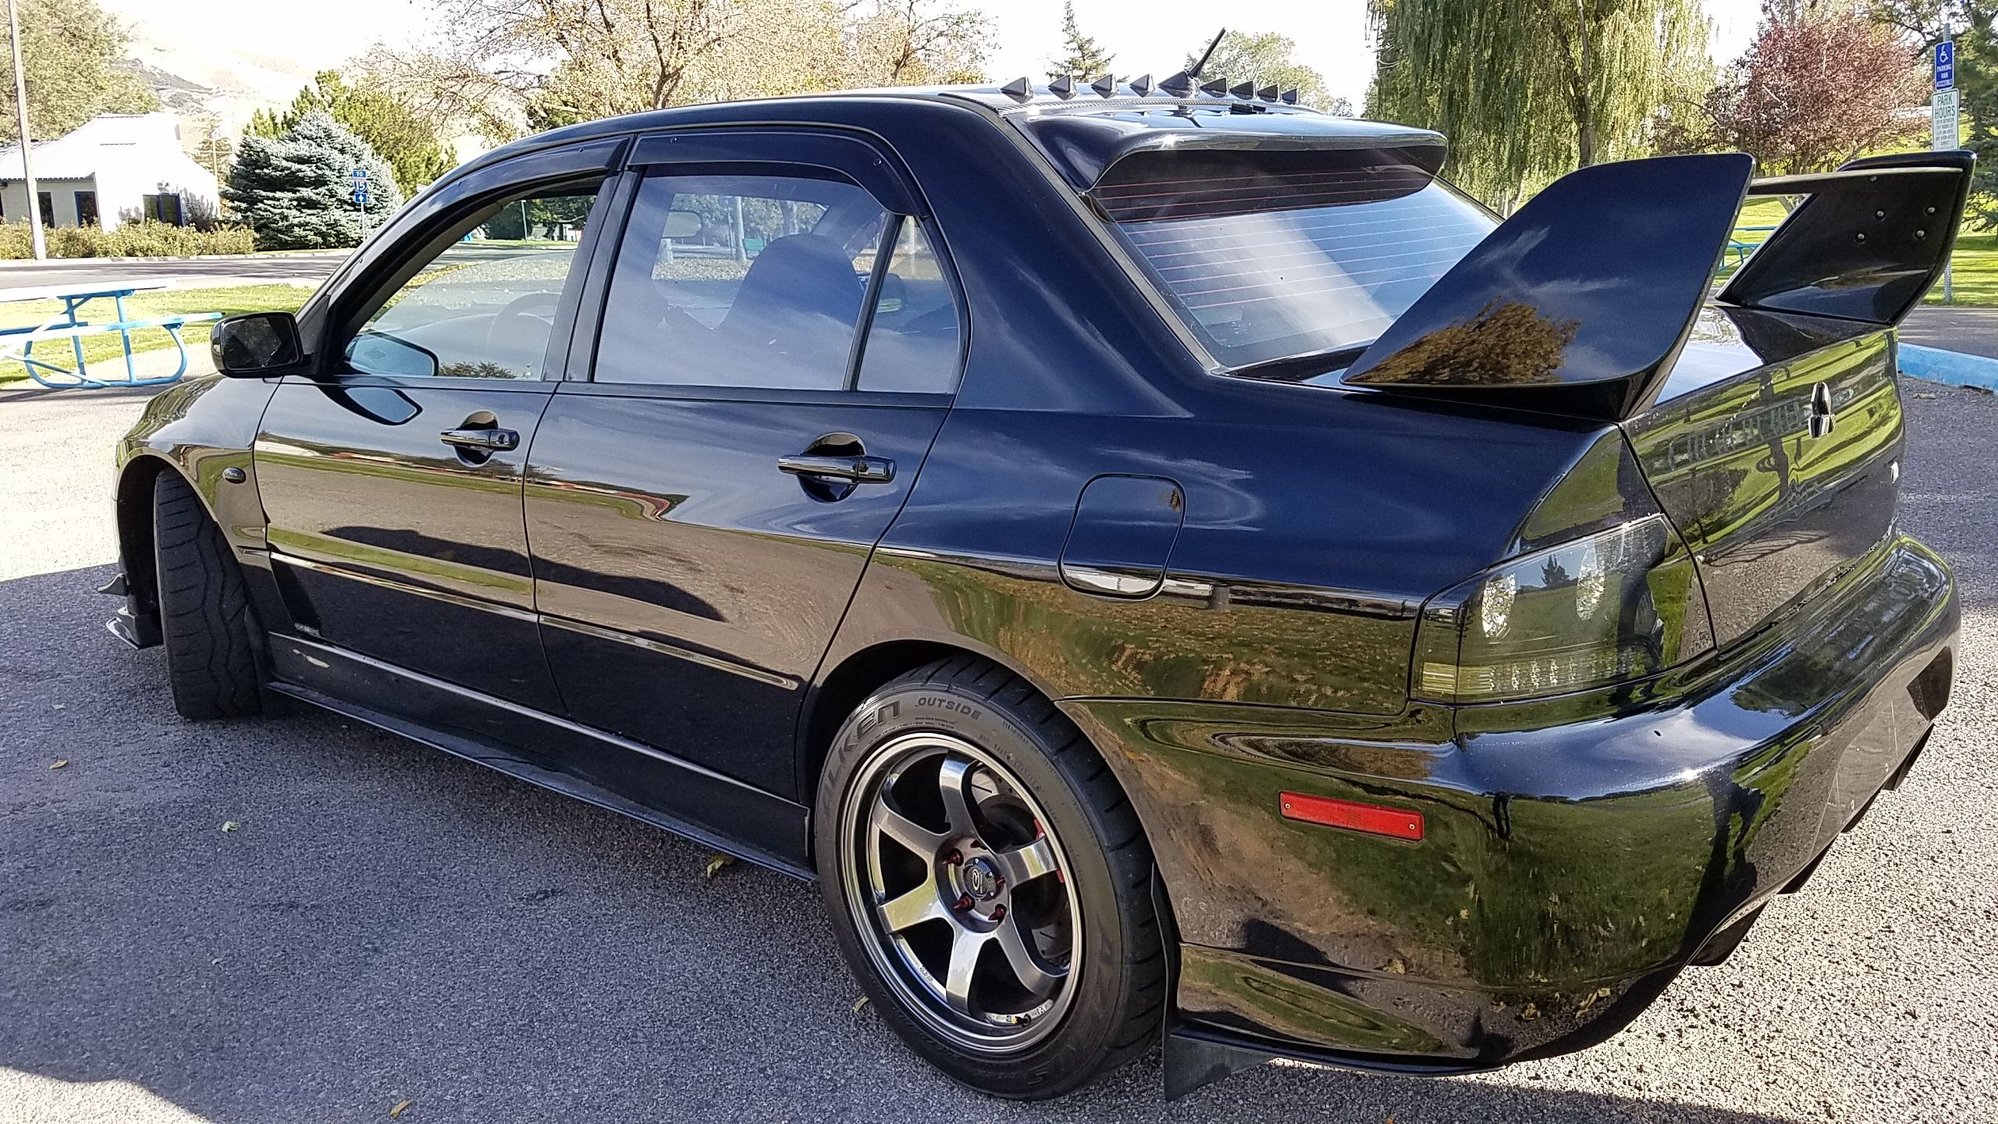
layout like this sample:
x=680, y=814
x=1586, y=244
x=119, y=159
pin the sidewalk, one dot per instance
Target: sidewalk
x=1973, y=331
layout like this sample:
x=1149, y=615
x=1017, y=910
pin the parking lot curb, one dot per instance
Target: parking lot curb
x=1952, y=367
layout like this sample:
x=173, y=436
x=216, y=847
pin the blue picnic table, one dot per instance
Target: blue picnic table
x=70, y=324
x=1742, y=247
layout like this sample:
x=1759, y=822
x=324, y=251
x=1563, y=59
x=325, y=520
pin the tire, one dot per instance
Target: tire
x=205, y=620
x=1051, y=883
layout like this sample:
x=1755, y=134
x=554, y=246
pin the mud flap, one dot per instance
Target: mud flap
x=1187, y=1060
x=132, y=625
x=1191, y=1062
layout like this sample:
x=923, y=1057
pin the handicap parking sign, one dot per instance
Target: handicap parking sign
x=1946, y=65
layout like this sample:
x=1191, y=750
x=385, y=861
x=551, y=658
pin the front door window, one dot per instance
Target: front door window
x=485, y=306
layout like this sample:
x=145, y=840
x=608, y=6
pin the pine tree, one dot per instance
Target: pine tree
x=295, y=190
x=1082, y=58
x=384, y=121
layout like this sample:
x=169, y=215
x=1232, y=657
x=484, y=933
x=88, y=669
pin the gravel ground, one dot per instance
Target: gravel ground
x=389, y=924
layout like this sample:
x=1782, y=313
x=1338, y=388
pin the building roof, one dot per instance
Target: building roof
x=78, y=154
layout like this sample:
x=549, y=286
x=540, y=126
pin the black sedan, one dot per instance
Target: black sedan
x=1166, y=564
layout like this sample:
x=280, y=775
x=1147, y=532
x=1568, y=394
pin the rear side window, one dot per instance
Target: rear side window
x=912, y=342
x=1269, y=255
x=740, y=281
x=763, y=282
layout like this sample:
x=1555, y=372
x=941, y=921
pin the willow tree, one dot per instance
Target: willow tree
x=1529, y=89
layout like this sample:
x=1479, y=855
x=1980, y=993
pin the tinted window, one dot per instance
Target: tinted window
x=1267, y=255
x=485, y=306
x=745, y=281
x=912, y=341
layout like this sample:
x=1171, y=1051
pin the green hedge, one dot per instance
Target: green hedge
x=132, y=240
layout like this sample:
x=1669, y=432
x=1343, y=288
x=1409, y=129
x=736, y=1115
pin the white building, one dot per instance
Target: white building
x=115, y=168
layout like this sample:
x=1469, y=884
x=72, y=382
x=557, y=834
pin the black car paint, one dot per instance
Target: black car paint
x=1294, y=534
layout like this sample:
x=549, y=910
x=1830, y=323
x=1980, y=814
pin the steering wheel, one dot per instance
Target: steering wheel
x=540, y=307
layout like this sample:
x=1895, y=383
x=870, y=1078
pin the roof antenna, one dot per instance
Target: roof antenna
x=1208, y=54
x=1181, y=84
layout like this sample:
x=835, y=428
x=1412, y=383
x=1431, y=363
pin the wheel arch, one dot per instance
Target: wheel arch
x=853, y=678
x=133, y=516
x=865, y=670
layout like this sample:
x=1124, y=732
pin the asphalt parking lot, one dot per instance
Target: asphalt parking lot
x=387, y=924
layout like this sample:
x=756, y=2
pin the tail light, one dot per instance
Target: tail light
x=1617, y=605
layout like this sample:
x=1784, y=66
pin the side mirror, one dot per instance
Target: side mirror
x=256, y=345
x=682, y=224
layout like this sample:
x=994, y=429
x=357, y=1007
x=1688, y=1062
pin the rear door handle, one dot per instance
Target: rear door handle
x=481, y=438
x=859, y=469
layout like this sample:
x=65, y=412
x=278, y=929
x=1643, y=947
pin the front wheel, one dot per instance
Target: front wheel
x=205, y=619
x=989, y=883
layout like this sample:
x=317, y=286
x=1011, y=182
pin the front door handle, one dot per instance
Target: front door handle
x=858, y=469
x=481, y=438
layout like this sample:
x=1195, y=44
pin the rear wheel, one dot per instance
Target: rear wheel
x=205, y=620
x=989, y=882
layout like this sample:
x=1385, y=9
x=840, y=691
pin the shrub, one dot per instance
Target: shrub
x=132, y=240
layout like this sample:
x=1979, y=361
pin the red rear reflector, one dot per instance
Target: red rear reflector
x=1396, y=823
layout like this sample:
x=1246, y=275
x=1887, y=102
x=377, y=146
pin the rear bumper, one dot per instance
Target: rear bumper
x=1571, y=867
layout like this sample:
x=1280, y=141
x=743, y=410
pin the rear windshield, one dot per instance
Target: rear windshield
x=1268, y=255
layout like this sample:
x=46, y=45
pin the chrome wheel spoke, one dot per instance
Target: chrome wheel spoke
x=964, y=950
x=952, y=782
x=1024, y=864
x=912, y=908
x=1034, y=973
x=903, y=830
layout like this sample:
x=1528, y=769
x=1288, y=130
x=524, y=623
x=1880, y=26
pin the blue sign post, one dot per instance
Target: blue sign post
x=1946, y=65
x=360, y=181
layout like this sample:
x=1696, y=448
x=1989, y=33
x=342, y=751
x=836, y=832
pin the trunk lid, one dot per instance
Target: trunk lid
x=1775, y=448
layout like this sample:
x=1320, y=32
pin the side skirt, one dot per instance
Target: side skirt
x=591, y=765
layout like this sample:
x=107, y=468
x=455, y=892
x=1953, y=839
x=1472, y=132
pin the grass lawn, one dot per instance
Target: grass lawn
x=1975, y=276
x=108, y=350
x=1975, y=260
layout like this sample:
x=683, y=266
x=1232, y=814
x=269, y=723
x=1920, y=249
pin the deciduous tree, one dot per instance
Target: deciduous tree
x=1530, y=89
x=623, y=56
x=1973, y=26
x=1265, y=58
x=1817, y=89
x=69, y=51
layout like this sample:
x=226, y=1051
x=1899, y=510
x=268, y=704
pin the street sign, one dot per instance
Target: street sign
x=361, y=196
x=1943, y=135
x=1946, y=65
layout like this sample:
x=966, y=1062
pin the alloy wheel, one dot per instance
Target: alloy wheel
x=960, y=894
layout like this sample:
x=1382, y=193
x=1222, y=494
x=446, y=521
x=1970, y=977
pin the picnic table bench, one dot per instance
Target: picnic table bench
x=19, y=343
x=1741, y=247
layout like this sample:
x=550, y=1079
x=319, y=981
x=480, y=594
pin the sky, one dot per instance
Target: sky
x=1156, y=36
x=268, y=49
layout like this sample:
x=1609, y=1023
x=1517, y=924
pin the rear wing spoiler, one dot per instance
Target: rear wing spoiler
x=1867, y=244
x=1581, y=301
